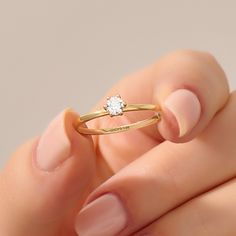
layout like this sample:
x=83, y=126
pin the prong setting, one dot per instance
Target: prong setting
x=114, y=105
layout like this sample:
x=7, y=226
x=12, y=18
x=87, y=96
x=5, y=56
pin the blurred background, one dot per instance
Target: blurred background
x=55, y=54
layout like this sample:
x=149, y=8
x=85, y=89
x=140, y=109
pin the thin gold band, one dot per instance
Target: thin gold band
x=127, y=108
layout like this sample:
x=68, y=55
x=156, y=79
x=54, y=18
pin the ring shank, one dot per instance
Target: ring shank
x=123, y=128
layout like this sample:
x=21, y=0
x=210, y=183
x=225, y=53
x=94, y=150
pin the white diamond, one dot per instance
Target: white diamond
x=114, y=106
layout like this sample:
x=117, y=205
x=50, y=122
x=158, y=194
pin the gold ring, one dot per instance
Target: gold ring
x=115, y=106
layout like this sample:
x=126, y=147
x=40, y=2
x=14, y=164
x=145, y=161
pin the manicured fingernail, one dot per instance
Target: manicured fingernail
x=104, y=216
x=186, y=108
x=54, y=146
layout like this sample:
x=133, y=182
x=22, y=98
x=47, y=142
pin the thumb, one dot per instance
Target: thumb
x=47, y=180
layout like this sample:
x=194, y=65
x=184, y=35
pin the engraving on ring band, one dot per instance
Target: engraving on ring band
x=122, y=128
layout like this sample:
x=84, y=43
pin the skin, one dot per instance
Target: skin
x=197, y=168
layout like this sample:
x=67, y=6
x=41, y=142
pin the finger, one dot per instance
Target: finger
x=46, y=181
x=213, y=213
x=190, y=87
x=163, y=178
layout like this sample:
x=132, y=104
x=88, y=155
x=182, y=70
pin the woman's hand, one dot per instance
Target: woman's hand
x=135, y=182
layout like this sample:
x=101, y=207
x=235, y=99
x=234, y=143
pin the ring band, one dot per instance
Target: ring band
x=115, y=106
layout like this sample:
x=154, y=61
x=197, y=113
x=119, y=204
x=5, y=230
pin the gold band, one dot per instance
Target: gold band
x=110, y=109
x=130, y=107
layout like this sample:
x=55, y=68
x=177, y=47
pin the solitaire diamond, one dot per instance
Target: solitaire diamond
x=115, y=105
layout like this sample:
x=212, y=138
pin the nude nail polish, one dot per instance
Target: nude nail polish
x=186, y=108
x=54, y=145
x=105, y=216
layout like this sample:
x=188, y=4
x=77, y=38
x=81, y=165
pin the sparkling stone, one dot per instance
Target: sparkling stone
x=114, y=105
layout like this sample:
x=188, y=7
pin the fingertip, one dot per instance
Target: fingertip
x=182, y=111
x=55, y=144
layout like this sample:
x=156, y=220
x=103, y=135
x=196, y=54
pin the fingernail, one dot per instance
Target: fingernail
x=54, y=145
x=104, y=216
x=186, y=108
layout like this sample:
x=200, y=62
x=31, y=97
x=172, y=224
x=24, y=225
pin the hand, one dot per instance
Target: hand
x=136, y=181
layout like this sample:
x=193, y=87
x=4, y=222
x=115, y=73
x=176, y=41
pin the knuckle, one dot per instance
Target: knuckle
x=191, y=56
x=194, y=56
x=204, y=65
x=207, y=56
